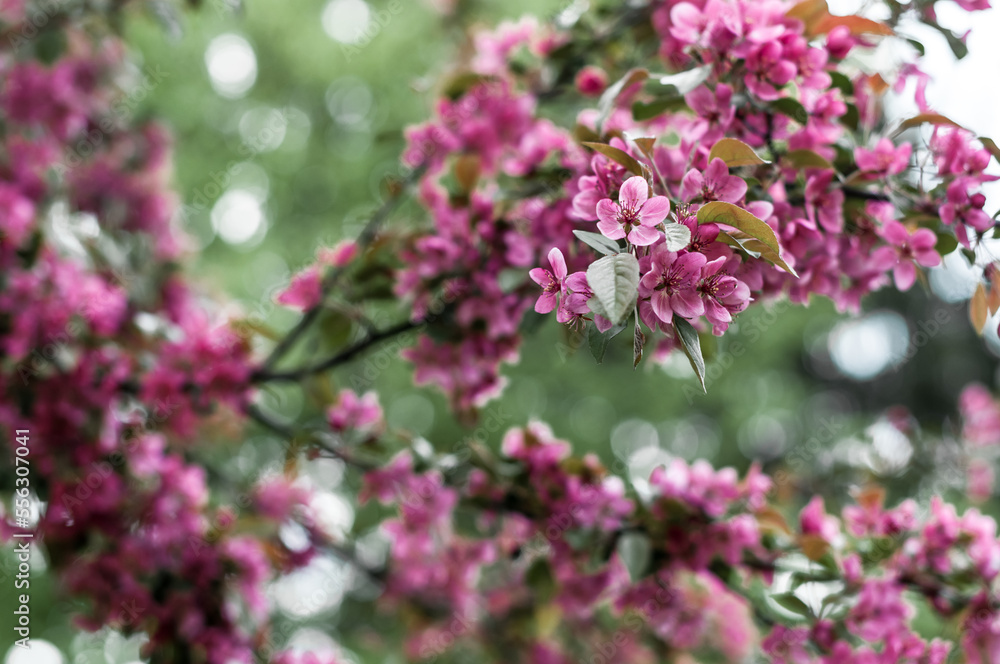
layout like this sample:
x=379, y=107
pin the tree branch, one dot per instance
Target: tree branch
x=366, y=237
x=295, y=375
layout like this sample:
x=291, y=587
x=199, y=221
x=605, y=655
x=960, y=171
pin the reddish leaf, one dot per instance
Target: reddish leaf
x=978, y=309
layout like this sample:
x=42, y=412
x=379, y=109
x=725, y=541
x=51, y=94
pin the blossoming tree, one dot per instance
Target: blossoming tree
x=652, y=167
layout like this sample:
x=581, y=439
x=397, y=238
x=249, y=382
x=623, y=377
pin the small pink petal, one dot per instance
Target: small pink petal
x=541, y=276
x=611, y=229
x=643, y=236
x=687, y=304
x=558, y=263
x=546, y=303
x=607, y=211
x=661, y=306
x=904, y=275
x=633, y=193
x=654, y=211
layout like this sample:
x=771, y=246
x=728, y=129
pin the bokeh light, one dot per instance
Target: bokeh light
x=238, y=217
x=232, y=65
x=346, y=21
x=863, y=348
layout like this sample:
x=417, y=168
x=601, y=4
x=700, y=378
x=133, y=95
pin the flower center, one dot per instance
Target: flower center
x=628, y=216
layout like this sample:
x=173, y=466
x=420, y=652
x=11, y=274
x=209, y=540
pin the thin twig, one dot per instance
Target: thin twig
x=366, y=237
x=295, y=375
x=266, y=421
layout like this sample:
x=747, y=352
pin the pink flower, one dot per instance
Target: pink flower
x=886, y=159
x=824, y=205
x=956, y=153
x=880, y=611
x=715, y=112
x=981, y=631
x=635, y=215
x=552, y=283
x=815, y=521
x=591, y=81
x=974, y=5
x=17, y=215
x=670, y=284
x=980, y=416
x=722, y=294
x=304, y=291
x=716, y=184
x=911, y=250
x=338, y=255
x=965, y=207
x=768, y=71
x=353, y=413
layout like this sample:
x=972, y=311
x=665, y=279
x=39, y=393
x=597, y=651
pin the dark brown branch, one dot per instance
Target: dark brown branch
x=366, y=237
x=295, y=375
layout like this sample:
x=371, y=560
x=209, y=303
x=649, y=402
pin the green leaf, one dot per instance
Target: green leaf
x=617, y=156
x=924, y=118
x=735, y=153
x=684, y=82
x=956, y=44
x=852, y=118
x=678, y=235
x=790, y=602
x=50, y=45
x=691, y=343
x=635, y=551
x=462, y=83
x=756, y=249
x=738, y=240
x=990, y=145
x=606, y=104
x=599, y=243
x=599, y=340
x=646, y=145
x=792, y=108
x=720, y=212
x=840, y=81
x=668, y=92
x=614, y=280
x=642, y=110
x=806, y=159
x=946, y=243
x=917, y=45
x=638, y=343
x=540, y=579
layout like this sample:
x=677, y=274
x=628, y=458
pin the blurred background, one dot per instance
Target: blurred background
x=287, y=118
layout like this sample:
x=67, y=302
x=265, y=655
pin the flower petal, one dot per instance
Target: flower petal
x=904, y=275
x=687, y=303
x=661, y=306
x=558, y=264
x=541, y=276
x=643, y=236
x=654, y=211
x=546, y=303
x=611, y=229
x=634, y=192
x=607, y=211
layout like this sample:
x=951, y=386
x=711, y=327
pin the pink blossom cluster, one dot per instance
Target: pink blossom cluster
x=116, y=369
x=458, y=270
x=548, y=523
x=833, y=213
x=980, y=415
x=949, y=559
x=570, y=502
